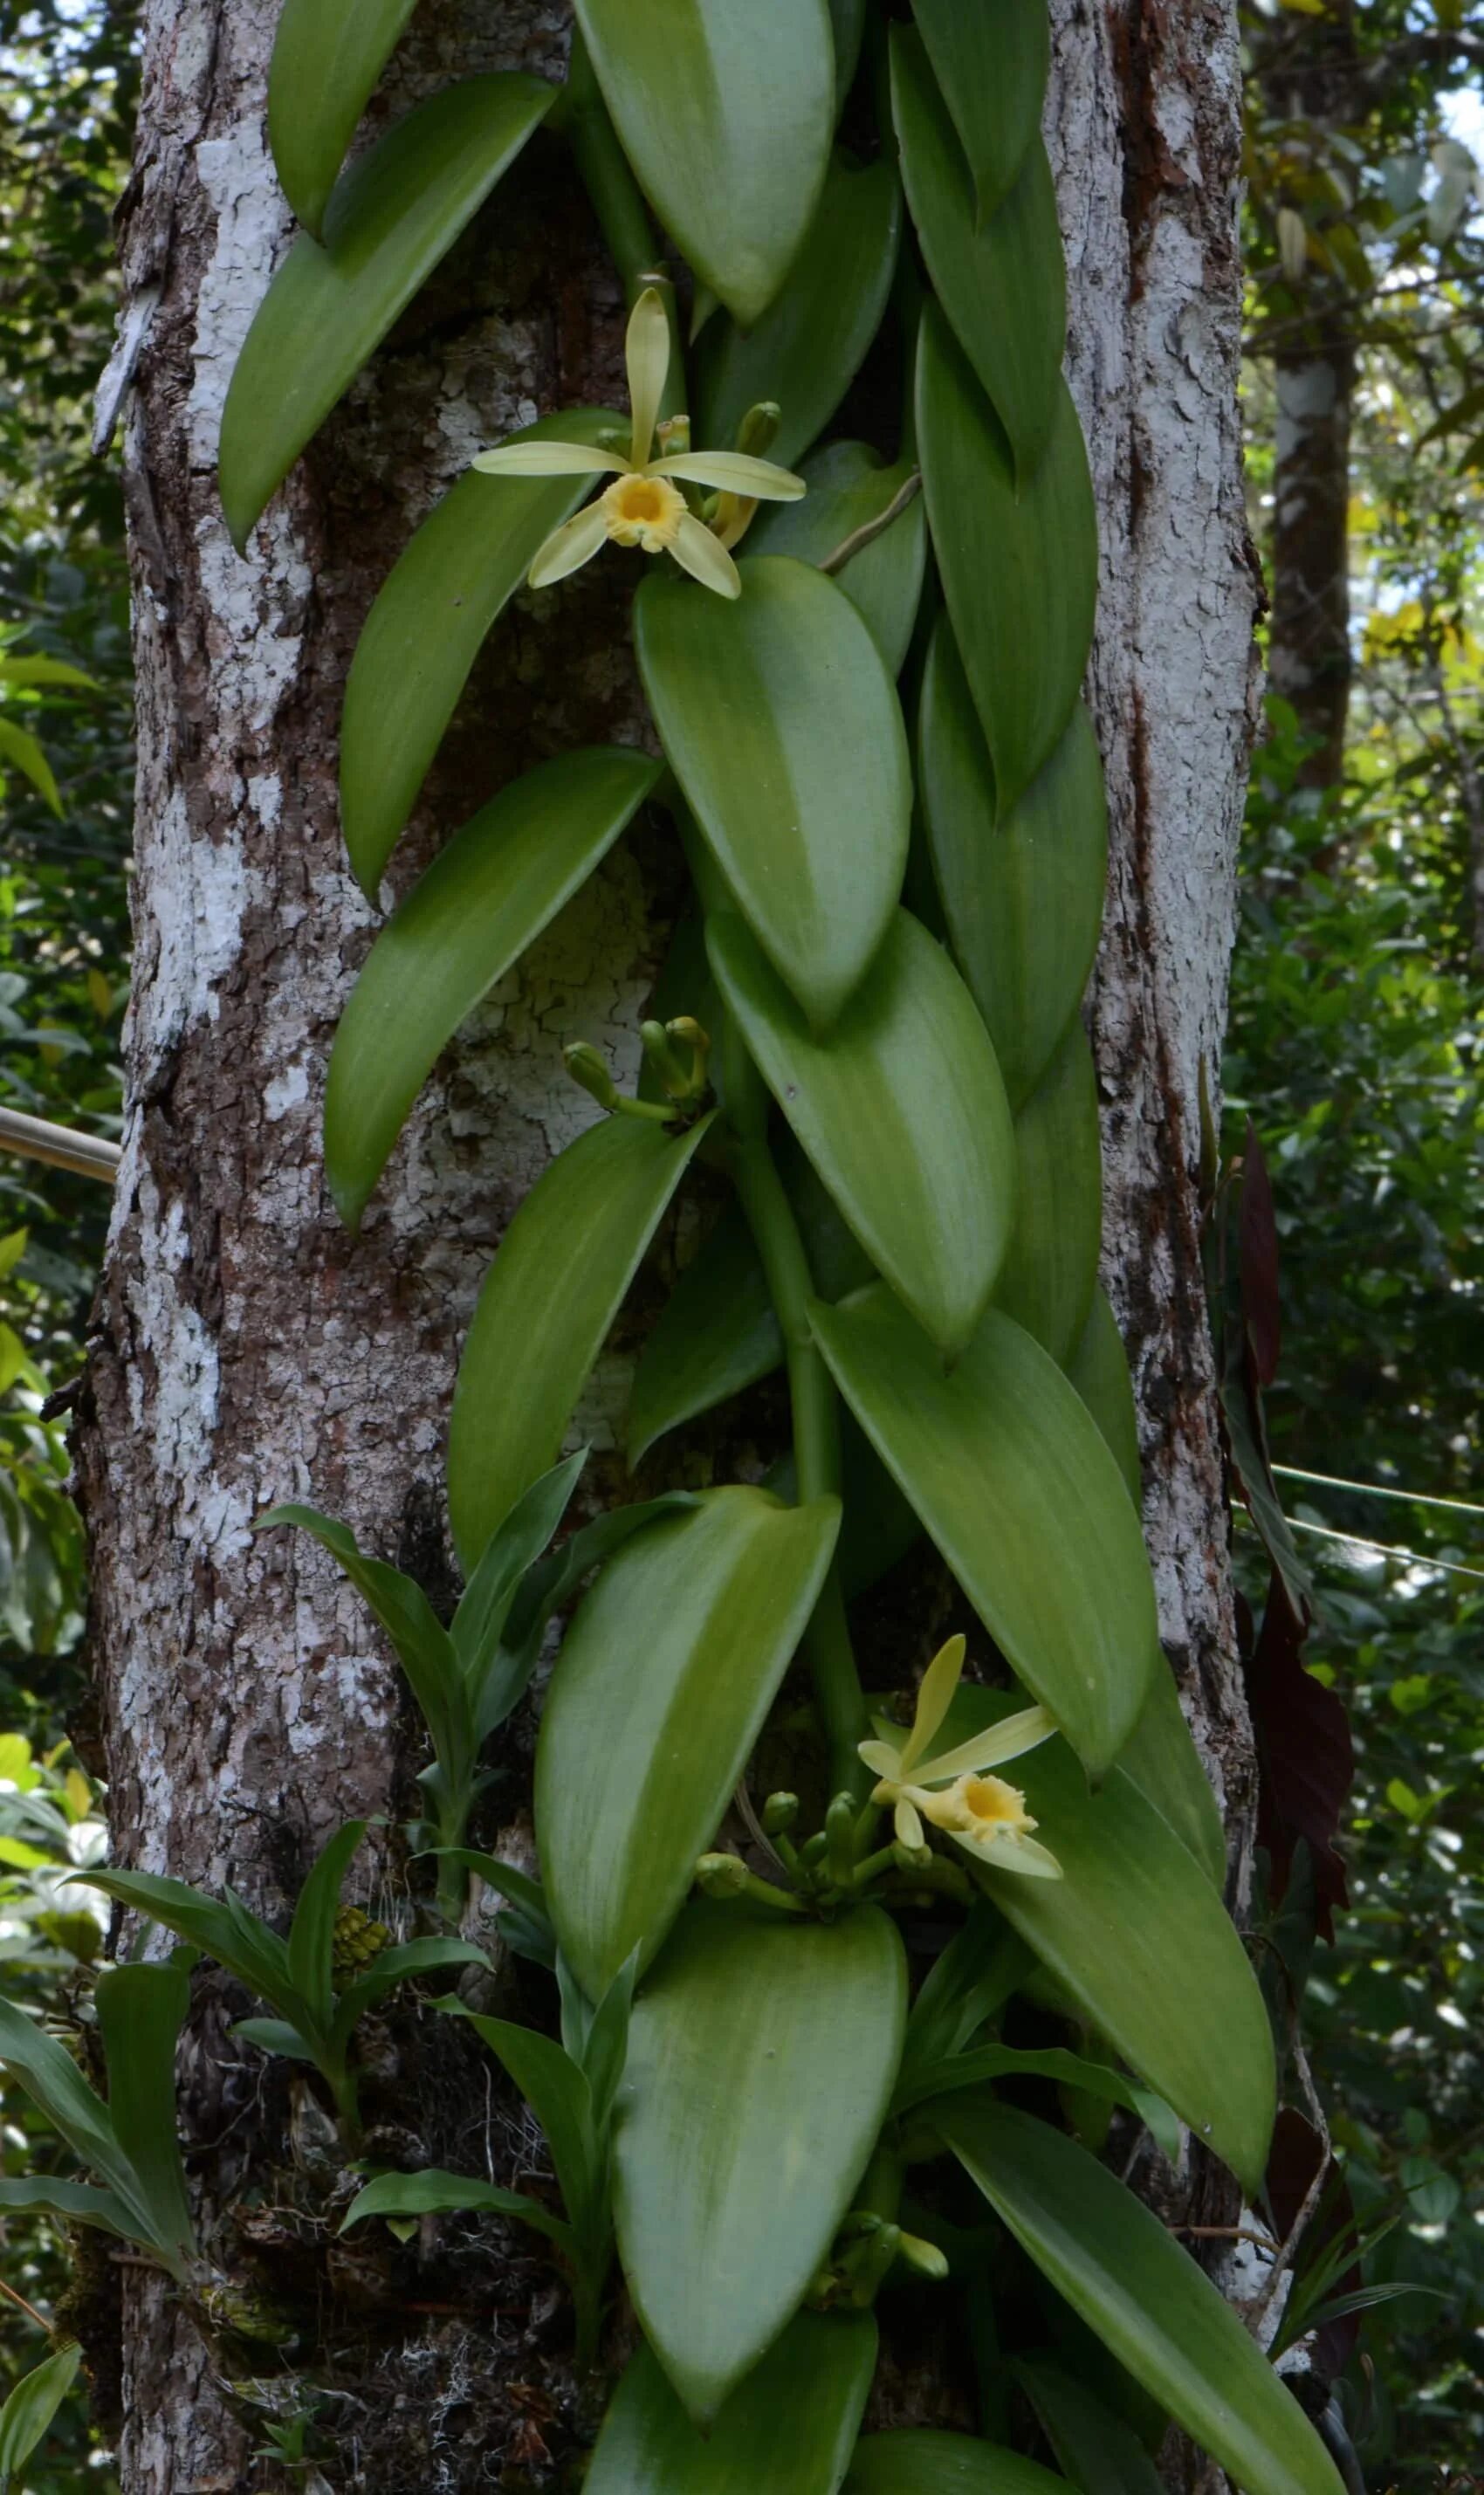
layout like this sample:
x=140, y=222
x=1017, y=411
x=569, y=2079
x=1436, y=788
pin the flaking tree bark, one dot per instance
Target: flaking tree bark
x=245, y=1349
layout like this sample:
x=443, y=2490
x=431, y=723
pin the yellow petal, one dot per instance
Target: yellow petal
x=882, y=1760
x=648, y=354
x=935, y=1697
x=568, y=547
x=908, y=1825
x=550, y=459
x=991, y=1747
x=729, y=473
x=707, y=561
x=1020, y=1854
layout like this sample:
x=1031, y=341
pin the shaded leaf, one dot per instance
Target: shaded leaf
x=1019, y=569
x=788, y=2429
x=476, y=1630
x=732, y=2177
x=1099, y=2452
x=328, y=56
x=716, y=1335
x=983, y=2064
x=558, y=2094
x=659, y=1694
x=1022, y=889
x=553, y=1291
x=1143, y=2295
x=32, y=2405
x=389, y=220
x=483, y=900
x=850, y=486
x=141, y=2013
x=784, y=730
x=725, y=117
x=1050, y=1270
x=803, y=353
x=991, y=64
x=434, y=2189
x=919, y=2460
x=1099, y=1368
x=1161, y=1758
x=1004, y=1463
x=81, y=2204
x=848, y=23
x=400, y=1964
x=312, y=1933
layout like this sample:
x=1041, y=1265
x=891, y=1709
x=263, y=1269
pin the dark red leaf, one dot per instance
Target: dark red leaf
x=1305, y=1758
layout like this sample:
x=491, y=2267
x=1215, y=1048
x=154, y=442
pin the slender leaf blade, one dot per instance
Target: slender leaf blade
x=788, y=2429
x=1099, y=2452
x=1162, y=1759
x=725, y=116
x=328, y=56
x=32, y=2405
x=141, y=2013
x=901, y=1110
x=992, y=64
x=1099, y=1368
x=553, y=1291
x=805, y=351
x=1004, y=1463
x=732, y=2178
x=479, y=1624
x=1050, y=1270
x=1144, y=2297
x=391, y=219
x=312, y=1933
x=434, y=2191
x=85, y=2204
x=484, y=899
x=659, y=1694
x=52, y=2081
x=400, y=1964
x=784, y=730
x=558, y=2094
x=717, y=1333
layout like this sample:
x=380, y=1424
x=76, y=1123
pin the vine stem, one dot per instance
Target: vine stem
x=582, y=117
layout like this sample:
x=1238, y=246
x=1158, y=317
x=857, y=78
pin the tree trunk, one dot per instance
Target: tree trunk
x=246, y=1350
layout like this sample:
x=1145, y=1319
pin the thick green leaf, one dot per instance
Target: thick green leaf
x=1163, y=1761
x=659, y=1694
x=786, y=2430
x=850, y=486
x=500, y=881
x=525, y=1924
x=141, y=2013
x=1050, y=1270
x=786, y=734
x=734, y=2172
x=1023, y=893
x=391, y=219
x=1099, y=1368
x=1019, y=569
x=328, y=56
x=424, y=632
x=1143, y=2295
x=434, y=2189
x=847, y=23
x=900, y=1109
x=918, y=2461
x=991, y=63
x=51, y=2079
x=31, y=2407
x=1002, y=283
x=985, y=2063
x=1139, y=1937
x=554, y=1289
x=717, y=1335
x=477, y=1629
x=1004, y=1463
x=1100, y=2453
x=804, y=354
x=312, y=1933
x=725, y=116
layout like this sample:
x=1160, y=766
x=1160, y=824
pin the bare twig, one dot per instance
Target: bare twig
x=906, y=493
x=1284, y=2259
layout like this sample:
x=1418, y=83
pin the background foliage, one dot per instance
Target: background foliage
x=1355, y=1049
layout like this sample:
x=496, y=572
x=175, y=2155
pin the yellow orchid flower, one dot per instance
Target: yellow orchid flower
x=643, y=507
x=980, y=1812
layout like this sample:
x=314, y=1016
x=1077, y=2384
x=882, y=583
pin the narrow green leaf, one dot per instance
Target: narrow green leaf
x=525, y=1924
x=84, y=2204
x=847, y=23
x=805, y=352
x=31, y=2407
x=850, y=486
x=328, y=56
x=478, y=1626
x=452, y=578
x=986, y=2063
x=1174, y=1995
x=18, y=746
x=553, y=1291
x=312, y=1933
x=274, y=2036
x=1004, y=1463
x=1100, y=2453
x=558, y=2094
x=1050, y=1270
x=1163, y=1761
x=389, y=220
x=52, y=2081
x=488, y=895
x=225, y=1930
x=918, y=2461
x=733, y=2176
x=1099, y=1368
x=141, y=2013
x=659, y=1694
x=1023, y=890
x=786, y=2430
x=402, y=1965
x=1003, y=283
x=991, y=63
x=784, y=730
x=547, y=1585
x=716, y=1335
x=434, y=2189
x=1019, y=569
x=725, y=116
x=1145, y=2297
x=900, y=1109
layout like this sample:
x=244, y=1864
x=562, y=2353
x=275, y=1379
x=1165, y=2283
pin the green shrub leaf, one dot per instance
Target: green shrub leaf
x=725, y=116
x=1144, y=2297
x=788, y=2429
x=659, y=1694
x=328, y=56
x=389, y=220
x=434, y=2189
x=31, y=2407
x=733, y=2174
x=500, y=881
x=716, y=1335
x=784, y=730
x=141, y=2013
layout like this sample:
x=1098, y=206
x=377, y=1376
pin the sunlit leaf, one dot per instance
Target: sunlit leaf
x=788, y=2429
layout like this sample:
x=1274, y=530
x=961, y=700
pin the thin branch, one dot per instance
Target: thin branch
x=1283, y=2259
x=870, y=529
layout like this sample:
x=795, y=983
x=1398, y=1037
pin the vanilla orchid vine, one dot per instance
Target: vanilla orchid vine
x=644, y=506
x=950, y=1789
